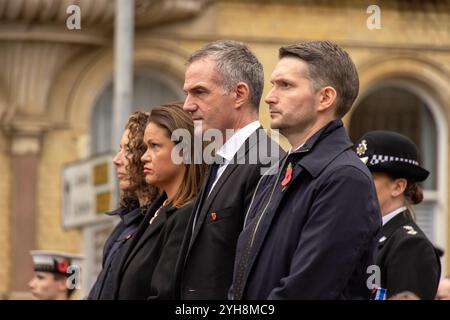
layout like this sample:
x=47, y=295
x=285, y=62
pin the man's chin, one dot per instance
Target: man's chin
x=275, y=125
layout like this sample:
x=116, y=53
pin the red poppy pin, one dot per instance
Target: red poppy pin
x=213, y=216
x=287, y=177
x=62, y=266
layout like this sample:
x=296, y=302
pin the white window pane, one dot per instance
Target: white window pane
x=425, y=218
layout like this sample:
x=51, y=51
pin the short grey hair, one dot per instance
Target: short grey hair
x=235, y=63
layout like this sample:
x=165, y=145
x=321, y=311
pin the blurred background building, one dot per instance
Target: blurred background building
x=56, y=95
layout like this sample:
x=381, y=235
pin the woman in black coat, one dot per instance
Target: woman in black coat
x=407, y=259
x=135, y=196
x=148, y=267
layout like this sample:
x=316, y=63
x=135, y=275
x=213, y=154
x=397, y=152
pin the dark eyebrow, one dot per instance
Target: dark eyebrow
x=198, y=87
x=151, y=140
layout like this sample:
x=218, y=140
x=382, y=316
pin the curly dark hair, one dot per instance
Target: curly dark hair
x=136, y=148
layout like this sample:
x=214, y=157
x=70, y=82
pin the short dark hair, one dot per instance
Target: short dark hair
x=235, y=62
x=328, y=65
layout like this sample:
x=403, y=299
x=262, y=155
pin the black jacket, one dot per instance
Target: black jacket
x=206, y=261
x=148, y=268
x=114, y=250
x=407, y=259
x=311, y=234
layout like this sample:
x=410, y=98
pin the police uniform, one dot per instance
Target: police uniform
x=407, y=259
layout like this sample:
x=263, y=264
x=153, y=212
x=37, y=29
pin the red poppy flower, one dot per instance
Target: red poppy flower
x=287, y=176
x=213, y=216
x=62, y=266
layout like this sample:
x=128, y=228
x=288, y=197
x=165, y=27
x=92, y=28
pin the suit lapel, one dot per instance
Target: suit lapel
x=201, y=195
x=249, y=143
x=209, y=201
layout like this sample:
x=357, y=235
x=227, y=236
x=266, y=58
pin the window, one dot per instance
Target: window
x=151, y=88
x=396, y=107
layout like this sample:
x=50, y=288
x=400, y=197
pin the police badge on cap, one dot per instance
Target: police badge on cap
x=392, y=153
x=54, y=262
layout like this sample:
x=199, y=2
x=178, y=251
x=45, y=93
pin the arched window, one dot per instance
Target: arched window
x=401, y=107
x=151, y=88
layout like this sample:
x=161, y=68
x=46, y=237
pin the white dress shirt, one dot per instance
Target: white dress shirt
x=231, y=147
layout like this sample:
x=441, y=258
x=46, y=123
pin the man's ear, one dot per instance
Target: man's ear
x=242, y=92
x=327, y=98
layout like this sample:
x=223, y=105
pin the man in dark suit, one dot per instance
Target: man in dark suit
x=310, y=232
x=223, y=83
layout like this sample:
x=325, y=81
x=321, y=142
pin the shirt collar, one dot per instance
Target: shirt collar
x=232, y=145
x=392, y=214
x=296, y=149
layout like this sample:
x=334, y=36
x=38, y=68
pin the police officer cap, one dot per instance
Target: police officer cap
x=392, y=153
x=54, y=261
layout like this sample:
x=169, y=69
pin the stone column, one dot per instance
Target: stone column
x=24, y=166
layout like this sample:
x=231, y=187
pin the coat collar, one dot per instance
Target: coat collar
x=333, y=141
x=399, y=220
x=129, y=216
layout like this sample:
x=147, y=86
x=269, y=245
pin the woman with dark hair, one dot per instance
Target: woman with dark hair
x=148, y=268
x=407, y=259
x=136, y=194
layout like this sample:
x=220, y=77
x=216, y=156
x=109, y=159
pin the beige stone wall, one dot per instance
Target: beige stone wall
x=58, y=147
x=338, y=20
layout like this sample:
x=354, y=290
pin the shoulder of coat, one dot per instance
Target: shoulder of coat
x=404, y=231
x=410, y=230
